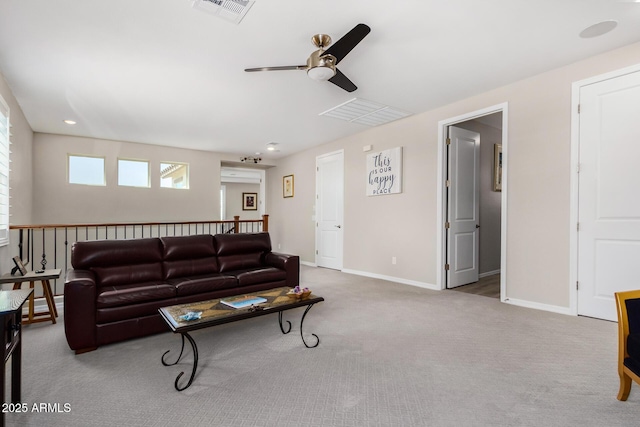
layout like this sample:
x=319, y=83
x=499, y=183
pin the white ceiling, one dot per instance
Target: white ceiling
x=161, y=72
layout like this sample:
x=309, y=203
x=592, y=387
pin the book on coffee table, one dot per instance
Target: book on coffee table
x=243, y=301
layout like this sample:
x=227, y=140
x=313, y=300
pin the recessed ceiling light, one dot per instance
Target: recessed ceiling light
x=272, y=146
x=598, y=29
x=70, y=122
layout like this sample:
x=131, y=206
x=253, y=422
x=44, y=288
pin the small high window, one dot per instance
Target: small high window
x=87, y=170
x=133, y=173
x=174, y=175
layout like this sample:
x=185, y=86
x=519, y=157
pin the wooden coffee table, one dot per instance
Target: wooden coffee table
x=216, y=313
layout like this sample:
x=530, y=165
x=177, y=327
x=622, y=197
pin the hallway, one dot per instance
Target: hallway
x=488, y=286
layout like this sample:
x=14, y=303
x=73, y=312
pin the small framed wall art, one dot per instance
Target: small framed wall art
x=249, y=201
x=19, y=266
x=497, y=167
x=287, y=186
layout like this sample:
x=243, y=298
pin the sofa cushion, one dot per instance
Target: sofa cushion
x=186, y=256
x=260, y=275
x=241, y=251
x=115, y=296
x=230, y=244
x=232, y=263
x=189, y=267
x=202, y=284
x=107, y=253
x=187, y=247
x=126, y=274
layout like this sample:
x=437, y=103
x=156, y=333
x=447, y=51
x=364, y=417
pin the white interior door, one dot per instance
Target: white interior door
x=608, y=202
x=329, y=210
x=463, y=207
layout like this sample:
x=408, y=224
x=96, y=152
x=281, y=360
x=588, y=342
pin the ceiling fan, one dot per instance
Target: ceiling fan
x=321, y=65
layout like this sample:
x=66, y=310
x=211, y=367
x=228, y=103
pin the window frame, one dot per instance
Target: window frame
x=91, y=156
x=187, y=177
x=127, y=159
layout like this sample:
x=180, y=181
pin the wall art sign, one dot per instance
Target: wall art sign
x=384, y=172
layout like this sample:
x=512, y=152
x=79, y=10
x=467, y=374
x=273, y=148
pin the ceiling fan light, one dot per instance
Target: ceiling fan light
x=321, y=73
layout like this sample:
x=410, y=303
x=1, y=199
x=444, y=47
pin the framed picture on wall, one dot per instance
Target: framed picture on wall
x=497, y=167
x=249, y=201
x=287, y=186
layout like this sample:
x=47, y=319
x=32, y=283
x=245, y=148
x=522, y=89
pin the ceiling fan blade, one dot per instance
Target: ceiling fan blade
x=285, y=67
x=342, y=47
x=342, y=81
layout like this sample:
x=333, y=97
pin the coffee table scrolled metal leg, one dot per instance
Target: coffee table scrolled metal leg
x=301, y=335
x=195, y=362
x=179, y=356
x=280, y=322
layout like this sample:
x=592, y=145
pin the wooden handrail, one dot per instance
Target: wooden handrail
x=236, y=221
x=50, y=244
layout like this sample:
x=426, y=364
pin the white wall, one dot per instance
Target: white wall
x=21, y=174
x=404, y=225
x=56, y=201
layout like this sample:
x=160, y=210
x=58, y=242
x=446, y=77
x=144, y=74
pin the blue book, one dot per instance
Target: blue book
x=243, y=301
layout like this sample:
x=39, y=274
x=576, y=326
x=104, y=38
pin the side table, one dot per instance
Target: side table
x=33, y=277
x=11, y=303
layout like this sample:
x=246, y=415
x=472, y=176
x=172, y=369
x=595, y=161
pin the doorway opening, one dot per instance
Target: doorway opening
x=329, y=210
x=235, y=184
x=487, y=227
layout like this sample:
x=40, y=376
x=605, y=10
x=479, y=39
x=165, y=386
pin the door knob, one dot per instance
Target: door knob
x=477, y=226
x=338, y=226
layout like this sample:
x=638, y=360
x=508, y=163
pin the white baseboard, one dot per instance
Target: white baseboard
x=393, y=279
x=40, y=305
x=539, y=306
x=489, y=273
x=512, y=301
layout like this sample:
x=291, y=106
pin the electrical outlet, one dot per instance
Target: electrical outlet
x=279, y=246
x=393, y=260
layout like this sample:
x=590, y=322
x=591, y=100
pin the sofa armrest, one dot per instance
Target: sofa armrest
x=80, y=310
x=288, y=263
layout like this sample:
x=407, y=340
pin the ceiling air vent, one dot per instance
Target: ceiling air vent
x=365, y=112
x=231, y=10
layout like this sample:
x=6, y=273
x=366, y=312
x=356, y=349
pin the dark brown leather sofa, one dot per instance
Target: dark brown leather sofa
x=115, y=287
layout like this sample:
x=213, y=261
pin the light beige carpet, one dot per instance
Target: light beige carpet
x=389, y=355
